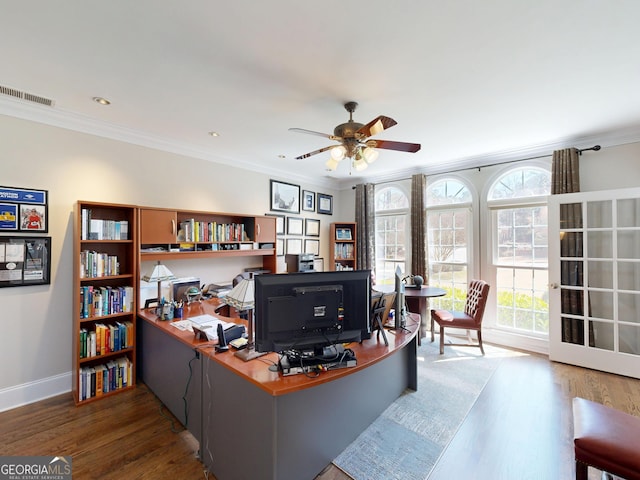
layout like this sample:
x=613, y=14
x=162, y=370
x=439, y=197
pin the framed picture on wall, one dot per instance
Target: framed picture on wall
x=312, y=246
x=308, y=201
x=294, y=246
x=312, y=227
x=325, y=204
x=285, y=197
x=294, y=226
x=279, y=246
x=23, y=209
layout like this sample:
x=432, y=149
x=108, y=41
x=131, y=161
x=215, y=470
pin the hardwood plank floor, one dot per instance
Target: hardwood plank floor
x=519, y=428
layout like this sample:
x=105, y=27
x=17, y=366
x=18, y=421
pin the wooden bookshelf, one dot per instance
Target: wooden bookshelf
x=105, y=283
x=342, y=246
x=169, y=234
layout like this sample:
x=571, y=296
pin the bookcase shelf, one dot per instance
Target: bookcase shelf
x=167, y=234
x=110, y=230
x=342, y=247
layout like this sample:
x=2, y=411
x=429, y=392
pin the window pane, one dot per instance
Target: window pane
x=447, y=192
x=521, y=183
x=391, y=198
x=522, y=236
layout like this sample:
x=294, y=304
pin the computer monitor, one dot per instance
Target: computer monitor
x=309, y=311
x=399, y=315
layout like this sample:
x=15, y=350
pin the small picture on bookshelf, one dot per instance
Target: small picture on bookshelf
x=343, y=234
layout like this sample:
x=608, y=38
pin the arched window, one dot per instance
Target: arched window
x=519, y=239
x=450, y=239
x=392, y=231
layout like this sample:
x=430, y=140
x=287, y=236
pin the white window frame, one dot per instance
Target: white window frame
x=491, y=332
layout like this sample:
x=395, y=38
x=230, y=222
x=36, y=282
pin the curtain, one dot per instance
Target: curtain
x=365, y=221
x=419, y=260
x=565, y=178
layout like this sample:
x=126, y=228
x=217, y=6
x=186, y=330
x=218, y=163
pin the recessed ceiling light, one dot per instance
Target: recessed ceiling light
x=214, y=134
x=281, y=156
x=101, y=101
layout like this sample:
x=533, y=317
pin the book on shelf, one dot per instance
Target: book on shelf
x=100, y=229
x=96, y=380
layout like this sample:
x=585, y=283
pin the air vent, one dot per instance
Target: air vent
x=30, y=97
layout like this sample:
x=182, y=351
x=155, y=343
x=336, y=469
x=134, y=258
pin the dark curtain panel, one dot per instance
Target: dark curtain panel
x=565, y=178
x=365, y=220
x=419, y=261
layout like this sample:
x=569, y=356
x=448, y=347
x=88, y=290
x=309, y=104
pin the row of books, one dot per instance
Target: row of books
x=100, y=379
x=196, y=231
x=344, y=251
x=99, y=301
x=98, y=229
x=104, y=339
x=94, y=264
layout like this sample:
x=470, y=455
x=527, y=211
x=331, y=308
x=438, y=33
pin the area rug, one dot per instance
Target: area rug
x=405, y=442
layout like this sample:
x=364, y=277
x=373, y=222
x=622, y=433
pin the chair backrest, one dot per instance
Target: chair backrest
x=476, y=300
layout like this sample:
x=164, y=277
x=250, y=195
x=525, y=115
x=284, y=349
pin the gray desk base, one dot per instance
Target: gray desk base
x=163, y=365
x=248, y=433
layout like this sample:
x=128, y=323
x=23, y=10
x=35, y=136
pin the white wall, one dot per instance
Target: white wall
x=36, y=321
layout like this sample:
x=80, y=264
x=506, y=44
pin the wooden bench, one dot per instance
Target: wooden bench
x=606, y=439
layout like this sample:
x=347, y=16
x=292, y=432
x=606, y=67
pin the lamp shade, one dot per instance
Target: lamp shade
x=160, y=273
x=242, y=296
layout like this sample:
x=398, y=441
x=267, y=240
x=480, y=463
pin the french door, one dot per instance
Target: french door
x=594, y=272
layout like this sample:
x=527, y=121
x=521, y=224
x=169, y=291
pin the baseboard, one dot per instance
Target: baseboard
x=31, y=392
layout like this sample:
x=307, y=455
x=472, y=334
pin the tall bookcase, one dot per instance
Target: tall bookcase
x=104, y=298
x=342, y=248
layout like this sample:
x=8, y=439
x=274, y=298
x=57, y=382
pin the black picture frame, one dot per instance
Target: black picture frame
x=25, y=261
x=285, y=197
x=325, y=204
x=294, y=226
x=308, y=201
x=312, y=246
x=312, y=227
x=24, y=209
x=294, y=246
x=279, y=222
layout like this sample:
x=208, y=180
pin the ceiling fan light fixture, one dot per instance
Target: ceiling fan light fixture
x=338, y=153
x=370, y=154
x=360, y=164
x=331, y=164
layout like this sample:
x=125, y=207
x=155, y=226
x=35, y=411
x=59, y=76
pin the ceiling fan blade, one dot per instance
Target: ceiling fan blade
x=375, y=126
x=307, y=155
x=311, y=132
x=390, y=145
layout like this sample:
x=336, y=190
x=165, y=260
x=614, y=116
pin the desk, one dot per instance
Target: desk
x=417, y=300
x=254, y=423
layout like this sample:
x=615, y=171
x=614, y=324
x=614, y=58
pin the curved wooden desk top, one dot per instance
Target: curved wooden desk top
x=257, y=371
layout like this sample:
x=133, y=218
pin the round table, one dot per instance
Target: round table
x=416, y=299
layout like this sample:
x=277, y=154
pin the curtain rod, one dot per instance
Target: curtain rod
x=595, y=148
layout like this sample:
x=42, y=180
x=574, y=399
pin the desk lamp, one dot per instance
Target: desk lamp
x=242, y=298
x=159, y=274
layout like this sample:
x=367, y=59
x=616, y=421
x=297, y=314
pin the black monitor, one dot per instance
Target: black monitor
x=308, y=311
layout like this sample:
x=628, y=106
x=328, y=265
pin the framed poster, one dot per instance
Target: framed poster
x=325, y=204
x=312, y=227
x=312, y=246
x=25, y=261
x=294, y=246
x=23, y=210
x=279, y=222
x=279, y=246
x=294, y=226
x=308, y=201
x=285, y=197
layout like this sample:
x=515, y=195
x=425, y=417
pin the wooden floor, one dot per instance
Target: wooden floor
x=519, y=428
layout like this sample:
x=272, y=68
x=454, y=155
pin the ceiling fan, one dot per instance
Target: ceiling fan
x=355, y=142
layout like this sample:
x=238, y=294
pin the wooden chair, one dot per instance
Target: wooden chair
x=470, y=319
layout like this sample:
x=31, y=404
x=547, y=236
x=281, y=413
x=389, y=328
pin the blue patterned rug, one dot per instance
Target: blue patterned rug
x=405, y=442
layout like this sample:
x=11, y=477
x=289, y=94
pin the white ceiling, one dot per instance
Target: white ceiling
x=472, y=81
